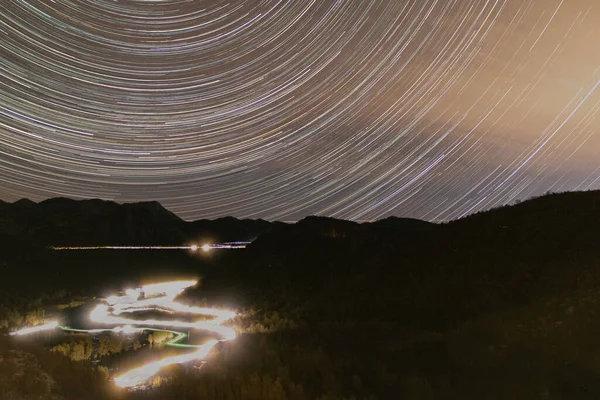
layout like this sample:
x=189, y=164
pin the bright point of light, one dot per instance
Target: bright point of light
x=194, y=247
x=39, y=328
x=206, y=247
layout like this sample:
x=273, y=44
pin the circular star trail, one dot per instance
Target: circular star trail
x=278, y=109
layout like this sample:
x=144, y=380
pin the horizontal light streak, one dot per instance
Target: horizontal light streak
x=204, y=247
x=39, y=328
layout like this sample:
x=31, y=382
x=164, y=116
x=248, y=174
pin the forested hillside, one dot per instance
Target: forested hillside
x=501, y=304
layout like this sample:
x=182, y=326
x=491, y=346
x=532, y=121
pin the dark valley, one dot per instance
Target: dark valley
x=475, y=308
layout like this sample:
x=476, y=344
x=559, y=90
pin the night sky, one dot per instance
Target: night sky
x=280, y=109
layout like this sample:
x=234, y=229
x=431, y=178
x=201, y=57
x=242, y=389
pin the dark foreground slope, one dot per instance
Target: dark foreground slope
x=439, y=274
x=502, y=304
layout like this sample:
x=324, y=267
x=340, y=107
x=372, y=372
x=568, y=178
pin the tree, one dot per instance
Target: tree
x=78, y=351
x=62, y=348
x=104, y=372
x=103, y=346
x=89, y=348
x=116, y=346
x=159, y=337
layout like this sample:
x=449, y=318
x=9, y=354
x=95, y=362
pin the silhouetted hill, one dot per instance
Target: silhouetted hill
x=576, y=213
x=62, y=221
x=67, y=221
x=315, y=232
x=93, y=222
x=496, y=259
x=463, y=310
x=395, y=224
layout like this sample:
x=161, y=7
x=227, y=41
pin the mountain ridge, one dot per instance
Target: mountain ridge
x=102, y=222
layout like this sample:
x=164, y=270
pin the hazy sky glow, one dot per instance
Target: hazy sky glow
x=280, y=109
